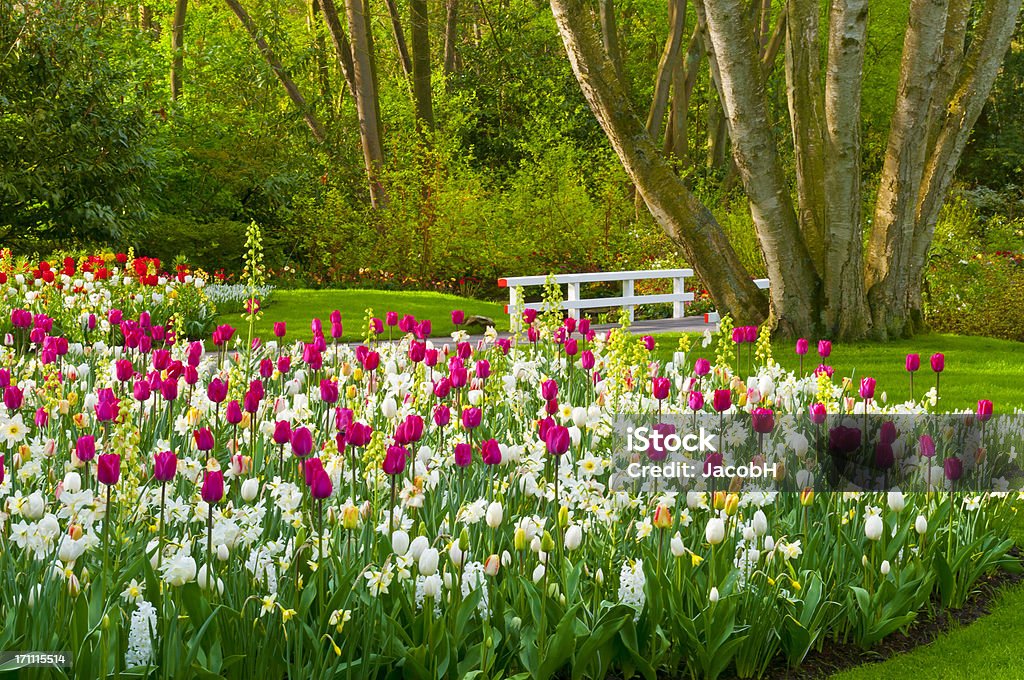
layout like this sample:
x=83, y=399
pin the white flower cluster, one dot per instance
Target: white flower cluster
x=140, y=636
x=631, y=585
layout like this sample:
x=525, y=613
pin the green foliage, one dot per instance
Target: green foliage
x=74, y=160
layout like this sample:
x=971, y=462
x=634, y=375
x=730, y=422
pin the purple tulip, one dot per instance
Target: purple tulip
x=548, y=390
x=954, y=469
x=280, y=328
x=165, y=466
x=572, y=347
x=938, y=361
x=394, y=460
x=302, y=442
x=557, y=439
x=913, y=362
x=213, y=486
x=13, y=397
x=696, y=400
x=926, y=446
x=471, y=417
x=282, y=432
x=442, y=415
x=391, y=318
x=321, y=486
x=204, y=439
x=587, y=360
x=824, y=348
x=801, y=346
x=648, y=342
x=85, y=448
x=217, y=390
x=233, y=412
x=884, y=457
x=701, y=367
x=490, y=452
x=463, y=455
x=124, y=370
x=328, y=391
x=108, y=468
x=867, y=388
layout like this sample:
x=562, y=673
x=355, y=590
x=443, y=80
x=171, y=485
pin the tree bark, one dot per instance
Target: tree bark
x=892, y=229
x=329, y=11
x=610, y=34
x=684, y=79
x=668, y=62
x=844, y=307
x=320, y=51
x=794, y=285
x=686, y=221
x=421, y=65
x=177, y=46
x=806, y=116
x=312, y=122
x=366, y=99
x=399, y=33
x=451, y=35
x=991, y=39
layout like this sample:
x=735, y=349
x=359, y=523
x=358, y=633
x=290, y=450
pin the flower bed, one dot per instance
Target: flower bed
x=312, y=509
x=85, y=297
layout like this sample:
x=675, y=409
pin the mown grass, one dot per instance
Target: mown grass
x=976, y=368
x=298, y=308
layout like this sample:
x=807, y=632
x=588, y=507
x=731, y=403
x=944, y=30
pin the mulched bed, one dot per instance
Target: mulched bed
x=834, y=657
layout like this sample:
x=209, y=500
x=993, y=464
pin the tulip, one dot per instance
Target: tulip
x=280, y=328
x=713, y=596
x=662, y=517
x=913, y=362
x=250, y=489
x=165, y=465
x=763, y=420
x=557, y=439
x=427, y=564
x=282, y=432
x=696, y=400
x=141, y=390
x=818, y=413
x=722, y=400
x=471, y=418
x=801, y=347
x=394, y=460
x=2, y=472
x=548, y=390
x=391, y=318
x=926, y=446
x=463, y=454
x=108, y=468
x=660, y=388
x=321, y=486
x=921, y=525
x=328, y=391
x=217, y=390
x=213, y=486
x=714, y=533
x=573, y=537
x=13, y=397
x=495, y=513
x=458, y=317
x=867, y=388
x=302, y=442
x=233, y=412
x=760, y=523
x=984, y=411
x=204, y=439
x=954, y=469
x=85, y=448
x=587, y=360
x=873, y=527
x=124, y=370
x=490, y=452
x=712, y=463
x=938, y=361
x=701, y=367
x=824, y=348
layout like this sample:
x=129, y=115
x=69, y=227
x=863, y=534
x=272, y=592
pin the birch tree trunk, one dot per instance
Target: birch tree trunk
x=451, y=34
x=686, y=221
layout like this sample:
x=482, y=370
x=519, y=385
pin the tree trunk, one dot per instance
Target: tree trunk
x=688, y=223
x=794, y=285
x=177, y=46
x=991, y=39
x=320, y=52
x=668, y=62
x=684, y=79
x=329, y=11
x=315, y=127
x=610, y=35
x=843, y=301
x=451, y=35
x=806, y=115
x=421, y=65
x=366, y=99
x=396, y=29
x=889, y=249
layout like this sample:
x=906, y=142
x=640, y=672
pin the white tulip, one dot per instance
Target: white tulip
x=579, y=417
x=418, y=545
x=535, y=544
x=538, y=573
x=676, y=544
x=769, y=543
x=693, y=499
x=389, y=408
x=250, y=489
x=222, y=552
x=921, y=525
x=873, y=527
x=70, y=550
x=896, y=500
x=179, y=570
x=886, y=567
x=715, y=531
x=33, y=507
x=495, y=513
x=573, y=537
x=73, y=482
x=400, y=542
x=713, y=595
x=432, y=586
x=760, y=523
x=456, y=554
x=804, y=479
x=428, y=561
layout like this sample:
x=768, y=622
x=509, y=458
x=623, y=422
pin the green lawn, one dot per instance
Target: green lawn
x=976, y=368
x=297, y=308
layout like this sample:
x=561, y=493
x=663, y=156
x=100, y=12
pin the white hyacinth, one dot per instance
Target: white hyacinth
x=140, y=636
x=631, y=585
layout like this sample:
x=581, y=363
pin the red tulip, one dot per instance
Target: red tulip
x=763, y=420
x=660, y=388
x=490, y=452
x=984, y=410
x=463, y=454
x=722, y=400
x=165, y=465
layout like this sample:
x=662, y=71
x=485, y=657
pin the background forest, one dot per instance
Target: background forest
x=170, y=126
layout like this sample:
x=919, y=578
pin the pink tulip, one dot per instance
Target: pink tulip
x=108, y=468
x=165, y=466
x=213, y=486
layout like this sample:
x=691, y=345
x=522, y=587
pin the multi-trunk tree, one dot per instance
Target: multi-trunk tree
x=836, y=267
